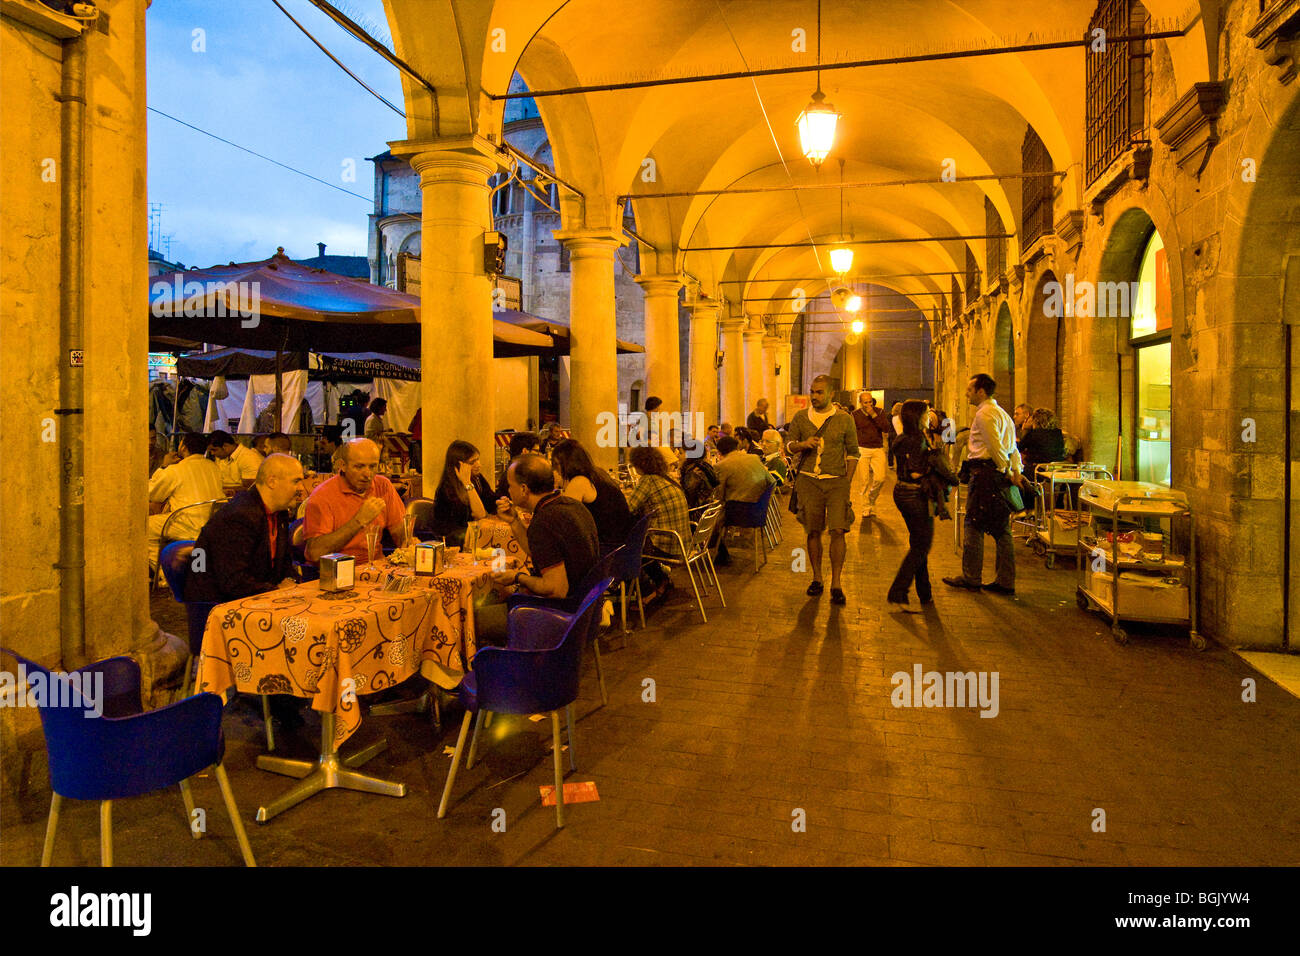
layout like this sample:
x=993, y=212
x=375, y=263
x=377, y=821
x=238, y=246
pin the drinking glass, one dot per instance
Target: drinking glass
x=372, y=543
x=408, y=524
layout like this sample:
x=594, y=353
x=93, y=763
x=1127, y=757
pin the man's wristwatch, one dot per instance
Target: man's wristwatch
x=518, y=575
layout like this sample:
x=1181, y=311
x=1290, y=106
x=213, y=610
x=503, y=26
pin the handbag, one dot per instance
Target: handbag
x=794, y=492
x=1011, y=493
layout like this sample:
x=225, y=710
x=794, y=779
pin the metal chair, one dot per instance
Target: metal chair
x=698, y=553
x=123, y=751
x=164, y=539
x=175, y=564
x=525, y=679
x=627, y=568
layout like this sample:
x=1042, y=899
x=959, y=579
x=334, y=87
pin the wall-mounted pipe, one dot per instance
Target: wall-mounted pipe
x=72, y=530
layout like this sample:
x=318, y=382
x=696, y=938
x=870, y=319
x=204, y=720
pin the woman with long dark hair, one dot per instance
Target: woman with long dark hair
x=580, y=478
x=462, y=494
x=911, y=461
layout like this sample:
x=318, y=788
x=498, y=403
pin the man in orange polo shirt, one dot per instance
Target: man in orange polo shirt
x=340, y=509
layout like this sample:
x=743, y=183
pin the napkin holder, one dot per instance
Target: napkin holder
x=338, y=572
x=430, y=559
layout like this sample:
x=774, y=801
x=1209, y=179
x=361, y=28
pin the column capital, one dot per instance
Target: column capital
x=660, y=284
x=705, y=309
x=449, y=155
x=732, y=324
x=590, y=243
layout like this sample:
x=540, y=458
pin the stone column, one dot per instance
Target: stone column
x=770, y=390
x=733, y=371
x=755, y=380
x=662, y=351
x=783, y=386
x=457, y=387
x=593, y=347
x=853, y=348
x=704, y=371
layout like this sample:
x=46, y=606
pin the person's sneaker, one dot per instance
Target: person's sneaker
x=961, y=583
x=814, y=589
x=998, y=589
x=837, y=596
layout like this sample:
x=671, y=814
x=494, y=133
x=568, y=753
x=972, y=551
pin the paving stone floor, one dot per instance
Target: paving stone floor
x=782, y=703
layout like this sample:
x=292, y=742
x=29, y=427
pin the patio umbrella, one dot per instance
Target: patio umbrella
x=277, y=304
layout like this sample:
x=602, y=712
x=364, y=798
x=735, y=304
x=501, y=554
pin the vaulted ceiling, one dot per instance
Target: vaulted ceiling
x=900, y=121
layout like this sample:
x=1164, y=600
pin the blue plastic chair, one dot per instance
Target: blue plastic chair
x=306, y=570
x=127, y=752
x=753, y=516
x=603, y=568
x=528, y=677
x=175, y=563
x=625, y=567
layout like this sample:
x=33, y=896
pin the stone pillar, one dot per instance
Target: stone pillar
x=662, y=350
x=593, y=347
x=853, y=348
x=703, y=370
x=783, y=386
x=733, y=408
x=755, y=381
x=457, y=386
x=774, y=400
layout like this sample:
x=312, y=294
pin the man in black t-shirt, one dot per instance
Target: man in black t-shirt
x=561, y=544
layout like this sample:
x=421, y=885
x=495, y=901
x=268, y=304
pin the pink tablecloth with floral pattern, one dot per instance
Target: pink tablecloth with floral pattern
x=330, y=647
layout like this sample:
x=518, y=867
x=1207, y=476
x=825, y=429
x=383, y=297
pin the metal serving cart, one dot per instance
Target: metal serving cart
x=1058, y=521
x=1139, y=562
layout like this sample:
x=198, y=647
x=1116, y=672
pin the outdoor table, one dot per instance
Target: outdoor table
x=331, y=647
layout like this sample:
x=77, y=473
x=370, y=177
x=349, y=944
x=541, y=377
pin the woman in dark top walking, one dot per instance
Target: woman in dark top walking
x=911, y=460
x=463, y=495
x=581, y=479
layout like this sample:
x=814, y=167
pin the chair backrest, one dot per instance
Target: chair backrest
x=211, y=506
x=175, y=563
x=528, y=681
x=626, y=565
x=102, y=747
x=755, y=515
x=704, y=530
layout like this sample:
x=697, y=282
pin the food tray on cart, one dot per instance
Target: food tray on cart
x=1136, y=497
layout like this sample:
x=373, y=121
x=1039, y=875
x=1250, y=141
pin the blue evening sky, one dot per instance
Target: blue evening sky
x=262, y=84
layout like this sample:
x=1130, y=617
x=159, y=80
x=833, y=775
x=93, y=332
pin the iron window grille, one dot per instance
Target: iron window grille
x=1035, y=191
x=1118, y=85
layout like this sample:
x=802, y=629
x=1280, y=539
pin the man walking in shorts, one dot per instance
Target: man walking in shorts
x=824, y=443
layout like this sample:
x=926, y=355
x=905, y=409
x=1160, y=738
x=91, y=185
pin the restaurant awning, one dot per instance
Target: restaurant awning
x=331, y=366
x=558, y=331
x=280, y=305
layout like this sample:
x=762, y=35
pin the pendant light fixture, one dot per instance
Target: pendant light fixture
x=842, y=256
x=818, y=120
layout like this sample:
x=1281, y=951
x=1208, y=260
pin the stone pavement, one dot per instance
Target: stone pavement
x=779, y=711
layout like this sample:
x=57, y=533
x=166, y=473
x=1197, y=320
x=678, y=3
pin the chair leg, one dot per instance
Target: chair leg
x=622, y=604
x=559, y=770
x=232, y=809
x=573, y=749
x=188, y=797
x=436, y=693
x=600, y=671
x=106, y=833
x=714, y=571
x=473, y=742
x=640, y=606
x=698, y=599
x=47, y=851
x=455, y=760
x=266, y=719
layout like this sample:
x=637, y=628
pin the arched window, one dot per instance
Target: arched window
x=1118, y=83
x=1149, y=334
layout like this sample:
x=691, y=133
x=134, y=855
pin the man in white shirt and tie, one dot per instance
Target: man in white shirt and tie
x=184, y=479
x=994, y=459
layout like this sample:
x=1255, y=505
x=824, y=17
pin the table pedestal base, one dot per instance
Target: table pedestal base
x=329, y=772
